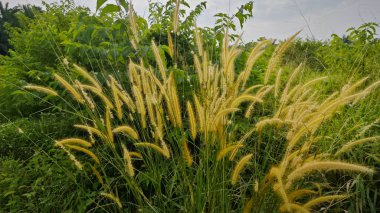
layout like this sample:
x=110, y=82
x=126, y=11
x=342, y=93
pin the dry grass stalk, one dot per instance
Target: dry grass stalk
x=222, y=153
x=351, y=144
x=91, y=129
x=100, y=94
x=277, y=56
x=71, y=141
x=128, y=161
x=97, y=175
x=127, y=130
x=186, y=152
x=86, y=151
x=45, y=90
x=113, y=198
x=161, y=150
x=192, y=122
x=77, y=96
x=84, y=73
x=239, y=167
x=176, y=16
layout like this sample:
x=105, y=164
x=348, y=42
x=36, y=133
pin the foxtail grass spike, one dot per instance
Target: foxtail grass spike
x=77, y=96
x=239, y=167
x=45, y=90
x=126, y=130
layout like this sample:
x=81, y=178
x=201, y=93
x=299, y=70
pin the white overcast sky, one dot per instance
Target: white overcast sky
x=276, y=18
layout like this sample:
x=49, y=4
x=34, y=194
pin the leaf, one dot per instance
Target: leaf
x=179, y=75
x=241, y=19
x=124, y=4
x=165, y=48
x=110, y=8
x=99, y=3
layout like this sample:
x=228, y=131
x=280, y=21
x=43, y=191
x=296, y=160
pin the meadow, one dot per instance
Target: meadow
x=113, y=112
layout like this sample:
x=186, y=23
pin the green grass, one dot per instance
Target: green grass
x=36, y=176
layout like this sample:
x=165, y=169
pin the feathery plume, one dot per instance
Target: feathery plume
x=285, y=94
x=158, y=58
x=132, y=21
x=72, y=158
x=87, y=98
x=256, y=52
x=86, y=151
x=277, y=84
x=77, y=96
x=46, y=90
x=128, y=161
x=97, y=174
x=108, y=127
x=115, y=94
x=198, y=41
x=91, y=129
x=171, y=45
x=351, y=144
x=176, y=16
x=125, y=98
x=113, y=198
x=84, y=73
x=140, y=104
x=250, y=89
x=239, y=167
x=186, y=152
x=277, y=56
x=192, y=122
x=154, y=147
x=326, y=165
x=136, y=154
x=223, y=113
x=200, y=113
x=70, y=141
x=245, y=98
x=175, y=102
x=126, y=130
x=222, y=153
x=100, y=94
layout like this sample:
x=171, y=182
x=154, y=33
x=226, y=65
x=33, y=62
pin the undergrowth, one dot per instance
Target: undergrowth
x=201, y=130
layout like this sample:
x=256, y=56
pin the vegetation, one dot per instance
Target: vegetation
x=112, y=112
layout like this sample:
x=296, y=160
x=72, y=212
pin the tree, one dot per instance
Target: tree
x=9, y=18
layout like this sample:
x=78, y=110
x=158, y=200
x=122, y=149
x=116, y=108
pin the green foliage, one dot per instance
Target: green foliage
x=9, y=18
x=306, y=51
x=35, y=176
x=22, y=138
x=356, y=53
x=47, y=182
x=225, y=22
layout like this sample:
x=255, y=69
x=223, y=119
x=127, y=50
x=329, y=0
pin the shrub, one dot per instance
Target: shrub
x=22, y=138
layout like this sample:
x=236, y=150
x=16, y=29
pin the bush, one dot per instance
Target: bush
x=22, y=138
x=46, y=182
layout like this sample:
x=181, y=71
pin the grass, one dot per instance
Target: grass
x=199, y=164
x=290, y=140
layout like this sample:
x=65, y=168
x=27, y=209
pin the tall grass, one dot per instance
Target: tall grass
x=156, y=144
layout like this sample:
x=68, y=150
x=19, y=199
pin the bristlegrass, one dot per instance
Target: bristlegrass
x=166, y=163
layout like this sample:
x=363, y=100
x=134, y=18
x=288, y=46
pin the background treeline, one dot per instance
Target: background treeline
x=35, y=43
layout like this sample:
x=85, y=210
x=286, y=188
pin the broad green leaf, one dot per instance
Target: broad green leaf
x=110, y=8
x=124, y=4
x=99, y=3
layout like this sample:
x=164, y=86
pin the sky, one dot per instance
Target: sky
x=275, y=18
